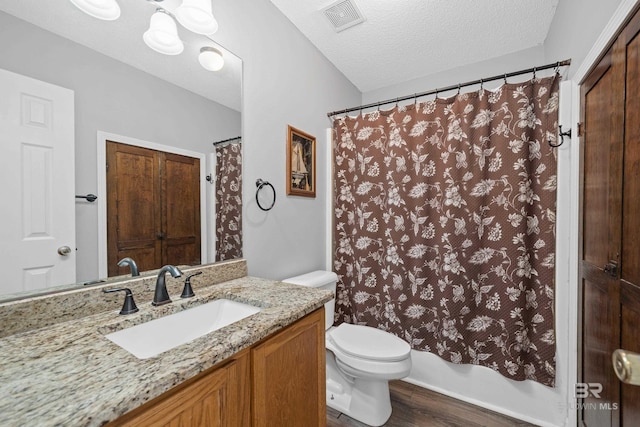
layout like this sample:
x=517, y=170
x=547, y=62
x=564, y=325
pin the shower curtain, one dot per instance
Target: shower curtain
x=445, y=226
x=228, y=201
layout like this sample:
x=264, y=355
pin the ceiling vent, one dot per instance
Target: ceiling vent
x=343, y=14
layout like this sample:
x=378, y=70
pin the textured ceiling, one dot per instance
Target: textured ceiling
x=405, y=39
x=122, y=40
x=400, y=39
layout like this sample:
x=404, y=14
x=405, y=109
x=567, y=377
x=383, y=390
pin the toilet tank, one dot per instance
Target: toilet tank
x=322, y=280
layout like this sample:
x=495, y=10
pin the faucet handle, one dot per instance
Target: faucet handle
x=187, y=291
x=129, y=306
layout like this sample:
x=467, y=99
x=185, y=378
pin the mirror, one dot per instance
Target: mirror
x=122, y=88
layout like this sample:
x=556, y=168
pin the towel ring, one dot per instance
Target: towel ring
x=260, y=183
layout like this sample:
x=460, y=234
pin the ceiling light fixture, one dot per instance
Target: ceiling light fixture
x=196, y=16
x=107, y=10
x=162, y=35
x=211, y=58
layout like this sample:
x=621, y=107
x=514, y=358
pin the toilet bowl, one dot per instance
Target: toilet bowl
x=360, y=361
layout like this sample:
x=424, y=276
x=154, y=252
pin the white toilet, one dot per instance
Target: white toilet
x=360, y=361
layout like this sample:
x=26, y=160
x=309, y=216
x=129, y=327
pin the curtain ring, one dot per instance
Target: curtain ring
x=481, y=84
x=458, y=88
x=397, y=102
x=415, y=98
x=534, y=72
x=378, y=106
x=437, y=90
x=505, y=78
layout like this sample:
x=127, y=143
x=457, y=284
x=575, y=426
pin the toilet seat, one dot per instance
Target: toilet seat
x=365, y=342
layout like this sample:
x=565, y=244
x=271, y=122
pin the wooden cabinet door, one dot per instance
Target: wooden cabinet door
x=133, y=207
x=289, y=376
x=217, y=398
x=153, y=208
x=602, y=151
x=181, y=209
x=629, y=271
x=610, y=267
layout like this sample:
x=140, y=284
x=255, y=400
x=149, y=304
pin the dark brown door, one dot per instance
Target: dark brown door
x=630, y=263
x=153, y=208
x=610, y=267
x=181, y=209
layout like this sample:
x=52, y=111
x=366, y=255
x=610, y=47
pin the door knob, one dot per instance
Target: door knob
x=626, y=364
x=64, y=250
x=611, y=268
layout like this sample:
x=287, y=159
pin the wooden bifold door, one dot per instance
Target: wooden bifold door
x=153, y=208
x=610, y=266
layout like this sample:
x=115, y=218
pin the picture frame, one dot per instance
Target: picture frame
x=301, y=163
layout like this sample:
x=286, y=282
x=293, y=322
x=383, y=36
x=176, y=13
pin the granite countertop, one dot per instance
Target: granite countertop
x=70, y=374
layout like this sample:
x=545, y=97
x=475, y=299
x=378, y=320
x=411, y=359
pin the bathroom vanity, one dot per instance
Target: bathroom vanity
x=266, y=369
x=277, y=382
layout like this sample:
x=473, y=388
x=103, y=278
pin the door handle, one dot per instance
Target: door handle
x=626, y=365
x=64, y=250
x=611, y=268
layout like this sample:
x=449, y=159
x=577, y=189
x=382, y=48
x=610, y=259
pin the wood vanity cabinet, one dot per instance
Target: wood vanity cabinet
x=288, y=382
x=220, y=396
x=278, y=382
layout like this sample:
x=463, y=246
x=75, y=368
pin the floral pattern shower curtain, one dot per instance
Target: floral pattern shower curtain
x=445, y=226
x=228, y=202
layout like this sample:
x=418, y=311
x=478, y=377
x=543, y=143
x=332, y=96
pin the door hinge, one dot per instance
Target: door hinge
x=580, y=129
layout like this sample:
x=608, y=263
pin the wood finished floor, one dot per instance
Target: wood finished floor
x=415, y=406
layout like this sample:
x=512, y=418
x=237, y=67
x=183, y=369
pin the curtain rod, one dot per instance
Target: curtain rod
x=458, y=86
x=227, y=140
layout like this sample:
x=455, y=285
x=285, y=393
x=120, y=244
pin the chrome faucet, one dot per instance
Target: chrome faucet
x=161, y=295
x=131, y=263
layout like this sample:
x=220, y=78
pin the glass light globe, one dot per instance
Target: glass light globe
x=211, y=58
x=196, y=16
x=107, y=10
x=162, y=35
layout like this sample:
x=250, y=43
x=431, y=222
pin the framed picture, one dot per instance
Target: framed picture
x=301, y=163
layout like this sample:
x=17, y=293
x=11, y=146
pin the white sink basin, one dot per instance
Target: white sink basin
x=152, y=338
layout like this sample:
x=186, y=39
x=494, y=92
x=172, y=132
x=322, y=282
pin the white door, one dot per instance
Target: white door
x=37, y=182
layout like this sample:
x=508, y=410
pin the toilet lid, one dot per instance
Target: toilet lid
x=366, y=342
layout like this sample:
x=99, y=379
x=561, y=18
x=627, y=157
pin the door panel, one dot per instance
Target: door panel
x=631, y=209
x=133, y=213
x=630, y=263
x=288, y=376
x=182, y=209
x=596, y=356
x=213, y=399
x=610, y=268
x=37, y=140
x=600, y=155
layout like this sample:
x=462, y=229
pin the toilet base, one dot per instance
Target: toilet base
x=365, y=400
